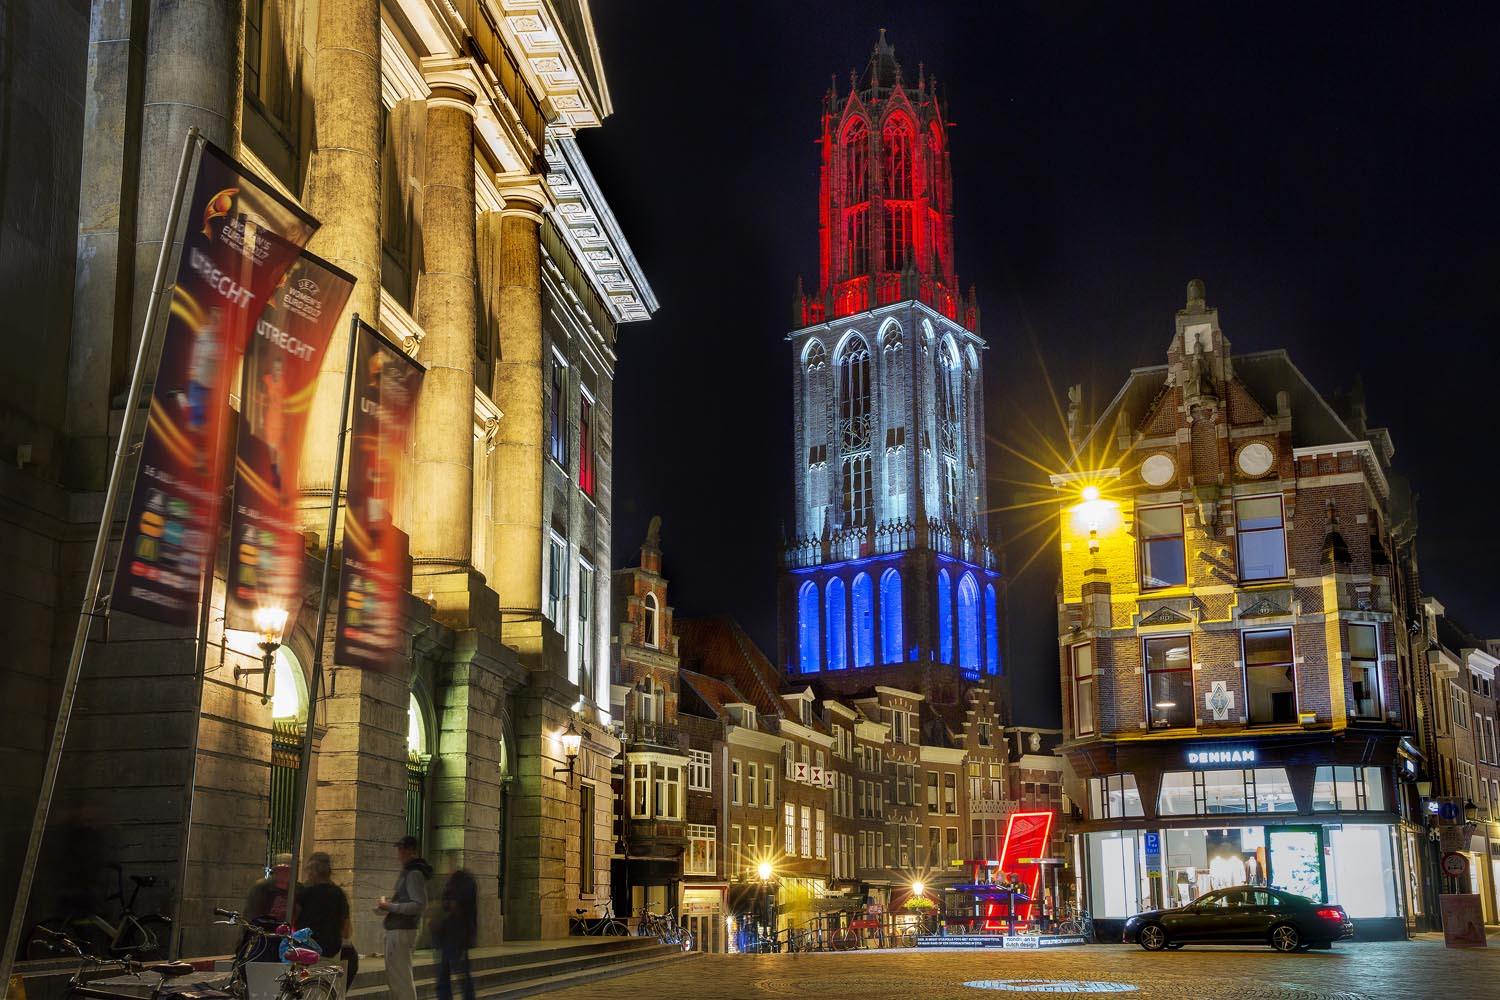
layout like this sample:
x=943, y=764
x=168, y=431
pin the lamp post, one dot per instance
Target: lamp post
x=764, y=871
x=572, y=739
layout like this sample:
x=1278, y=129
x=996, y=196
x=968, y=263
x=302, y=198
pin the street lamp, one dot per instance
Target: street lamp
x=918, y=888
x=572, y=739
x=270, y=626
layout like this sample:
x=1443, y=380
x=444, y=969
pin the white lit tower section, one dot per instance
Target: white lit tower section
x=890, y=578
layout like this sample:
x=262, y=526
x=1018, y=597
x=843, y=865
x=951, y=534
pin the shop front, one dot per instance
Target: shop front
x=1176, y=821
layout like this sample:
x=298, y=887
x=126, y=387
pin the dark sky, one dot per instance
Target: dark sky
x=1330, y=174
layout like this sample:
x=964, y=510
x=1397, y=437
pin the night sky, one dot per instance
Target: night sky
x=1330, y=175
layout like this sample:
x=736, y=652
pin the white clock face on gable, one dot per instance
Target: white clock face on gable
x=1255, y=459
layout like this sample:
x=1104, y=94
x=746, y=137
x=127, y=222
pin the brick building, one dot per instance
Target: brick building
x=1233, y=640
x=436, y=143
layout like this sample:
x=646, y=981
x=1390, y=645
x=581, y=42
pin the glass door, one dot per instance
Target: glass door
x=1295, y=861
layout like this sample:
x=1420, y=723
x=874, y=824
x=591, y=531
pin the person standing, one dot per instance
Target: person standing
x=456, y=933
x=323, y=908
x=403, y=915
x=265, y=907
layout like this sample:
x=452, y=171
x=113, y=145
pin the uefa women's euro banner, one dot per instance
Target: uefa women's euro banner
x=282, y=361
x=372, y=579
x=240, y=239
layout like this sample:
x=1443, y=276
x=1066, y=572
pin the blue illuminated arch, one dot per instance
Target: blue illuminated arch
x=890, y=617
x=808, y=631
x=991, y=631
x=864, y=620
x=837, y=610
x=945, y=618
x=968, y=624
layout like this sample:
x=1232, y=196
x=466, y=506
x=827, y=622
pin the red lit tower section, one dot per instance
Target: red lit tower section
x=886, y=199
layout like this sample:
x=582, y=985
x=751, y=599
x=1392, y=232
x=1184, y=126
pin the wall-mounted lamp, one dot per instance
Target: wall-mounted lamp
x=270, y=626
x=1471, y=812
x=572, y=739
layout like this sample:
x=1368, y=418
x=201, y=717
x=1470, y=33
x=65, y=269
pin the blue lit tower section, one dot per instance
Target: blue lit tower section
x=890, y=577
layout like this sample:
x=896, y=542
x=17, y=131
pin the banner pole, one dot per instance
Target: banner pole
x=96, y=569
x=299, y=810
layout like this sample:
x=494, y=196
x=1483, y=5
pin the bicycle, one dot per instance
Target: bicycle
x=1076, y=921
x=141, y=937
x=58, y=943
x=605, y=924
x=665, y=928
x=304, y=978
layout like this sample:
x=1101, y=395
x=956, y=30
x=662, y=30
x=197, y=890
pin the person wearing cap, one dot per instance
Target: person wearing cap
x=403, y=915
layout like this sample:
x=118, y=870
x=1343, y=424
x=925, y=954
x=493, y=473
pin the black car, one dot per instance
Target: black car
x=1244, y=914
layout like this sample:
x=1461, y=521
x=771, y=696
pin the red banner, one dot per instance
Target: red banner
x=282, y=362
x=1027, y=837
x=239, y=240
x=372, y=579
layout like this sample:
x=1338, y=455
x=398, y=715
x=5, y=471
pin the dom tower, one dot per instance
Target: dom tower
x=891, y=578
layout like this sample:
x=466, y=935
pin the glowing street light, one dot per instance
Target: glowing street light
x=918, y=888
x=764, y=871
x=270, y=626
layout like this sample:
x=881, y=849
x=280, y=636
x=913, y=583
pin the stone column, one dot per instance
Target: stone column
x=193, y=71
x=520, y=443
x=443, y=439
x=343, y=192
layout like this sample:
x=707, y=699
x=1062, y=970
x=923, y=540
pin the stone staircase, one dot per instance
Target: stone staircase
x=527, y=968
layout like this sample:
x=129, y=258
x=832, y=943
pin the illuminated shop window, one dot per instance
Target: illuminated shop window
x=1114, y=796
x=1348, y=789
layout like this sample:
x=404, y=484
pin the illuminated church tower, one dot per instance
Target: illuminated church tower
x=890, y=578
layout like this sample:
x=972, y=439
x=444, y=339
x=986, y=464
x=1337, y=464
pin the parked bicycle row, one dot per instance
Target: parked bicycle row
x=665, y=927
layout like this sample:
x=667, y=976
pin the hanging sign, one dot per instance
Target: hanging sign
x=240, y=239
x=282, y=361
x=372, y=582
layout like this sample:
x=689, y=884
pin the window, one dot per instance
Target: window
x=890, y=617
x=1364, y=671
x=640, y=791
x=1227, y=791
x=1460, y=706
x=1338, y=788
x=585, y=444
x=1262, y=539
x=585, y=634
x=1114, y=796
x=736, y=787
x=1082, y=656
x=1489, y=736
x=991, y=631
x=968, y=625
x=752, y=790
x=1163, y=555
x=737, y=849
x=1270, y=677
x=649, y=613
x=585, y=840
x=950, y=846
x=768, y=773
x=1479, y=738
x=863, y=593
x=854, y=433
x=950, y=793
x=557, y=581
x=668, y=788
x=1169, y=682
x=651, y=701
x=858, y=491
x=789, y=820
x=820, y=835
x=805, y=831
x=836, y=612
x=700, y=767
x=752, y=845
x=945, y=617
x=808, y=627
x=932, y=793
x=700, y=858
x=898, y=227
x=557, y=437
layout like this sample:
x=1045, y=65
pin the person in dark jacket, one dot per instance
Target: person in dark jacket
x=403, y=915
x=456, y=933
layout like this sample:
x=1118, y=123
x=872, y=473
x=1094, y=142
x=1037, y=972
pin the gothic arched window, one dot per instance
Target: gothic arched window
x=900, y=158
x=837, y=650
x=890, y=617
x=854, y=432
x=945, y=618
x=968, y=624
x=856, y=200
x=808, y=631
x=864, y=621
x=649, y=620
x=991, y=631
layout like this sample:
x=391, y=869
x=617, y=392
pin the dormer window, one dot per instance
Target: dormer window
x=649, y=621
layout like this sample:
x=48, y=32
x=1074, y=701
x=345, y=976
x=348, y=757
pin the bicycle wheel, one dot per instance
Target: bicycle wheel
x=313, y=988
x=909, y=938
x=145, y=938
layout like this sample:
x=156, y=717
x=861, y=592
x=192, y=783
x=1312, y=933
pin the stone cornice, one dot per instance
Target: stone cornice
x=593, y=234
x=532, y=30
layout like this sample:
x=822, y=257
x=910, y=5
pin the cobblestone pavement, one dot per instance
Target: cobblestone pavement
x=1393, y=970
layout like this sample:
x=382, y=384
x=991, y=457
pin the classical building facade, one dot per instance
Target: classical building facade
x=436, y=143
x=1234, y=640
x=891, y=577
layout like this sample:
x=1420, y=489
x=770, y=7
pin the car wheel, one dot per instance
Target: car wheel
x=1152, y=937
x=1284, y=937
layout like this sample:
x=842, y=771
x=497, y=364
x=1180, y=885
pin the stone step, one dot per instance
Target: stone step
x=532, y=987
x=542, y=962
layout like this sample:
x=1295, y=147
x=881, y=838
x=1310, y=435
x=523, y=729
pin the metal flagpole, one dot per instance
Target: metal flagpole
x=96, y=568
x=300, y=801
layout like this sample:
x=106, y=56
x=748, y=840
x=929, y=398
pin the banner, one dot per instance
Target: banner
x=281, y=368
x=239, y=240
x=372, y=579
